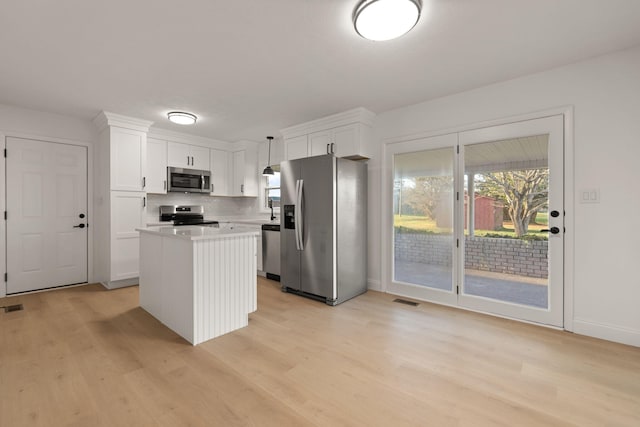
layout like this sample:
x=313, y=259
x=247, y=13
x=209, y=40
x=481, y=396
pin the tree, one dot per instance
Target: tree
x=428, y=191
x=525, y=193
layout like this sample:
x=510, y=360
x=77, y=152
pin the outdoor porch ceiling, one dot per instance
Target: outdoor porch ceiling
x=529, y=152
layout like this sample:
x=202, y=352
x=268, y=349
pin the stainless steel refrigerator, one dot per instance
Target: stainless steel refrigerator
x=323, y=228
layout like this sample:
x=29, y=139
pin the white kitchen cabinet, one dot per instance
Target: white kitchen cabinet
x=256, y=227
x=128, y=212
x=244, y=173
x=120, y=198
x=320, y=143
x=128, y=159
x=188, y=156
x=345, y=134
x=296, y=148
x=219, y=160
x=156, y=166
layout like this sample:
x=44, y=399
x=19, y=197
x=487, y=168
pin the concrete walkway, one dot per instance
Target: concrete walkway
x=504, y=287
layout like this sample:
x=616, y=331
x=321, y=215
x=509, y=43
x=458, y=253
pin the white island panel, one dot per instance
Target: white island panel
x=230, y=263
x=200, y=285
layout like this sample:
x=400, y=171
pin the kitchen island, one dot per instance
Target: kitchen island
x=198, y=281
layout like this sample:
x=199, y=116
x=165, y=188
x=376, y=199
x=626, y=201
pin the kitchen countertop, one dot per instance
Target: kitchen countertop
x=254, y=221
x=196, y=232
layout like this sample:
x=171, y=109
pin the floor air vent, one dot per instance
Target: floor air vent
x=15, y=307
x=406, y=302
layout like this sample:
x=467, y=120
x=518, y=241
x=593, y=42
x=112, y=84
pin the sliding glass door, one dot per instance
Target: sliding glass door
x=478, y=219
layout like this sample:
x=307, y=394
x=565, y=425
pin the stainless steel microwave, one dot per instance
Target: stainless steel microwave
x=188, y=180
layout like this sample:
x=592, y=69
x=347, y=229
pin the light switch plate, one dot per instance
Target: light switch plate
x=590, y=195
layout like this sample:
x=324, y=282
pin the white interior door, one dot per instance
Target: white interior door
x=46, y=214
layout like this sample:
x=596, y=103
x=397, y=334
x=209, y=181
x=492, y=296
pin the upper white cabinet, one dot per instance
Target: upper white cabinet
x=128, y=161
x=156, y=166
x=346, y=134
x=296, y=147
x=219, y=160
x=188, y=156
x=244, y=173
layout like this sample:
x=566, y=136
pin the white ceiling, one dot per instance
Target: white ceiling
x=249, y=68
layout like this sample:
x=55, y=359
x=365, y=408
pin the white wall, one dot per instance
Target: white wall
x=605, y=94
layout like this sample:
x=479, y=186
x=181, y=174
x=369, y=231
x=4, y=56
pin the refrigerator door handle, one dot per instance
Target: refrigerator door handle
x=300, y=215
x=295, y=214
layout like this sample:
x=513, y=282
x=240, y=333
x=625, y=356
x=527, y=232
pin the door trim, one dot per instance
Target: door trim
x=386, y=223
x=3, y=198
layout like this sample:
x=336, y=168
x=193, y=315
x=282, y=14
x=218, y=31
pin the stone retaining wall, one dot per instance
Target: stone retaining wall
x=512, y=256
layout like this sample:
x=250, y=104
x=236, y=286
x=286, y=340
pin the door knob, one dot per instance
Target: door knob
x=552, y=230
x=79, y=226
x=81, y=216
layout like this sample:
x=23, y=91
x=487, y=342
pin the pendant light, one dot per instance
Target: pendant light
x=380, y=20
x=268, y=171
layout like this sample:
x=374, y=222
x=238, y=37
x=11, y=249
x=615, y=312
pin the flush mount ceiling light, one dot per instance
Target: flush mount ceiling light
x=182, y=118
x=268, y=170
x=380, y=20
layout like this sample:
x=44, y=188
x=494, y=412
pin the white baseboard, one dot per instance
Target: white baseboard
x=374, y=285
x=115, y=284
x=607, y=332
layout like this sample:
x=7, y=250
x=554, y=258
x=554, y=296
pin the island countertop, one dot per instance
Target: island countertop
x=198, y=232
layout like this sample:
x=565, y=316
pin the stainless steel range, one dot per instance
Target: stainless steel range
x=185, y=215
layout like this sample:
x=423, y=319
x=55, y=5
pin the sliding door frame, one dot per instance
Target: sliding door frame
x=569, y=198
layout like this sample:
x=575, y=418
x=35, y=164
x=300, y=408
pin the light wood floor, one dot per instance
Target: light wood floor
x=89, y=357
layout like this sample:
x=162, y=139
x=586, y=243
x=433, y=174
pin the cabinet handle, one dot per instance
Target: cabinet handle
x=332, y=145
x=192, y=161
x=165, y=184
x=327, y=148
x=144, y=181
x=144, y=202
x=212, y=187
x=188, y=161
x=242, y=188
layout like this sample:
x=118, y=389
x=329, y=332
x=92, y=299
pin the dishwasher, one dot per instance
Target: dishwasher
x=271, y=251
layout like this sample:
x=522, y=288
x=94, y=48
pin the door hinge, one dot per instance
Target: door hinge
x=457, y=195
x=457, y=243
x=458, y=149
x=457, y=290
x=5, y=152
x=5, y=215
x=6, y=276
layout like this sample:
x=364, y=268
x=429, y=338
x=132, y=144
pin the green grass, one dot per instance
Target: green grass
x=421, y=224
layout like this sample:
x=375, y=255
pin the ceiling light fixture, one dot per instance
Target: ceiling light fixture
x=380, y=20
x=182, y=118
x=268, y=171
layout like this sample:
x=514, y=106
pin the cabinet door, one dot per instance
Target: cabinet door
x=199, y=157
x=128, y=159
x=319, y=143
x=219, y=172
x=237, y=172
x=251, y=172
x=296, y=148
x=156, y=166
x=179, y=155
x=346, y=140
x=128, y=211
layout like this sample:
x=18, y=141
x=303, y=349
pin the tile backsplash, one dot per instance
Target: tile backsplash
x=213, y=206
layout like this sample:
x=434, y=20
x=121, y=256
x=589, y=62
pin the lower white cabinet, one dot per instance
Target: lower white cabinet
x=255, y=227
x=128, y=212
